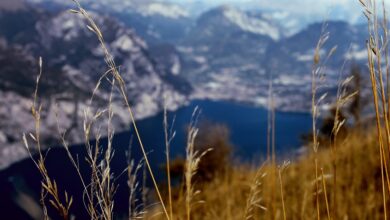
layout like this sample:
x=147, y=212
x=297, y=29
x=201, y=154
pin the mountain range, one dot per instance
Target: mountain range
x=162, y=49
x=73, y=62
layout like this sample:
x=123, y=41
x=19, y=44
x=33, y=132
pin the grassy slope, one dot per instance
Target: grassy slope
x=358, y=189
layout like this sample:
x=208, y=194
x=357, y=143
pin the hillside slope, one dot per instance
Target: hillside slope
x=251, y=192
x=73, y=63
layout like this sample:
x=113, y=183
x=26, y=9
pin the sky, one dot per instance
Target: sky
x=325, y=9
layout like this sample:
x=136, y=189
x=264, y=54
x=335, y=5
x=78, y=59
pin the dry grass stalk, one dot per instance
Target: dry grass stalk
x=193, y=158
x=325, y=193
x=135, y=211
x=342, y=97
x=317, y=77
x=270, y=123
x=169, y=134
x=75, y=163
x=99, y=192
x=271, y=143
x=280, y=170
x=385, y=25
x=375, y=49
x=49, y=186
x=254, y=198
x=91, y=25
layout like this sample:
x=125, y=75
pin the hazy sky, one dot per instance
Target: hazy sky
x=350, y=9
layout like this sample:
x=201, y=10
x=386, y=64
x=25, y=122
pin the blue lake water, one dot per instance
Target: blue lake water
x=247, y=124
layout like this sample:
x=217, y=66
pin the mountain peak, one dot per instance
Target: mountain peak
x=246, y=21
x=163, y=9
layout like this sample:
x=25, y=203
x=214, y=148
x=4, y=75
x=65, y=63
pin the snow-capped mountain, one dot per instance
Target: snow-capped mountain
x=289, y=23
x=161, y=9
x=155, y=21
x=234, y=19
x=73, y=63
x=224, y=58
x=251, y=22
x=228, y=43
x=145, y=7
x=224, y=53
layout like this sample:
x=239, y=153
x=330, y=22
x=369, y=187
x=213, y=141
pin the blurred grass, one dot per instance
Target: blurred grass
x=229, y=196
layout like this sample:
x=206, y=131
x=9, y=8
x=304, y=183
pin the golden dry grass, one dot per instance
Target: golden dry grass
x=251, y=193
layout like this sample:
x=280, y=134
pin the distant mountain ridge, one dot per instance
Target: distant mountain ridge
x=230, y=53
x=223, y=54
x=73, y=63
x=154, y=21
x=228, y=60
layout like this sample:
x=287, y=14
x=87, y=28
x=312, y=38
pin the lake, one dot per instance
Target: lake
x=247, y=124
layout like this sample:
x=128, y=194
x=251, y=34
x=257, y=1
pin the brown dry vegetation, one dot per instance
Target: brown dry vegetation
x=249, y=192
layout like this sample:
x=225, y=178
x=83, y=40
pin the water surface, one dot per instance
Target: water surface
x=247, y=124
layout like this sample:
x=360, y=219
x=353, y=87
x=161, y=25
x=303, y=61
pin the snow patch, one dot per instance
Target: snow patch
x=124, y=43
x=166, y=10
x=176, y=67
x=200, y=59
x=185, y=49
x=251, y=24
x=289, y=80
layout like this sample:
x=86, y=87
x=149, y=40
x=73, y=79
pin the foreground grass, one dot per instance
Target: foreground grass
x=248, y=192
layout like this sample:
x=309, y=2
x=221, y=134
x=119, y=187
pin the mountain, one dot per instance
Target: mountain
x=156, y=22
x=225, y=53
x=225, y=46
x=73, y=63
x=232, y=19
x=289, y=23
x=232, y=54
x=298, y=49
